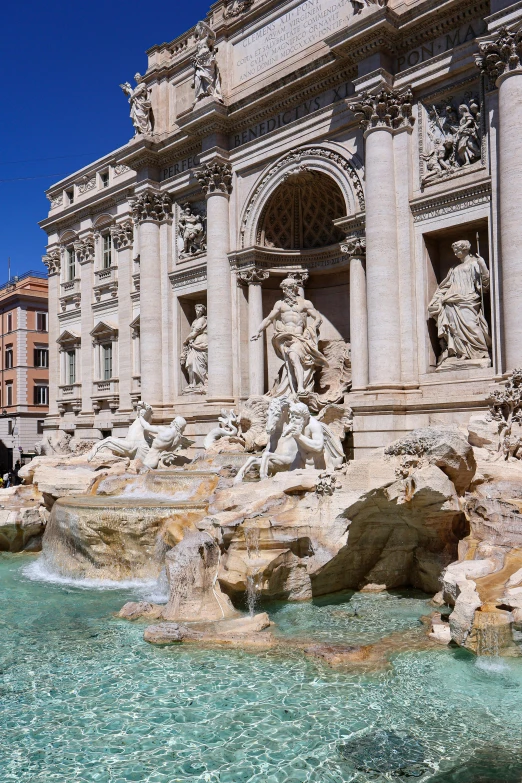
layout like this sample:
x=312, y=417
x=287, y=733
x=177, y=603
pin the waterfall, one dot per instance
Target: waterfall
x=254, y=579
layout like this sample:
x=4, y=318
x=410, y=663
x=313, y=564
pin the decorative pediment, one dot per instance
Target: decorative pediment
x=68, y=339
x=104, y=331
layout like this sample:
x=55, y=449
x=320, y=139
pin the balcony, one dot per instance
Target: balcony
x=70, y=395
x=70, y=294
x=106, y=391
x=105, y=282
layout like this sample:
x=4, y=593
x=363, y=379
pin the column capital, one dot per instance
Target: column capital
x=502, y=55
x=215, y=177
x=123, y=234
x=354, y=246
x=52, y=261
x=254, y=276
x=384, y=109
x=151, y=205
x=84, y=249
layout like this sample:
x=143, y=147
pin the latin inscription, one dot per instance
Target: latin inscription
x=306, y=24
x=286, y=117
x=180, y=167
x=446, y=43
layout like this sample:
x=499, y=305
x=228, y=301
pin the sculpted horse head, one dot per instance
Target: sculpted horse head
x=277, y=414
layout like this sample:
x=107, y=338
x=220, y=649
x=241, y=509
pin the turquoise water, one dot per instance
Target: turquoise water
x=83, y=698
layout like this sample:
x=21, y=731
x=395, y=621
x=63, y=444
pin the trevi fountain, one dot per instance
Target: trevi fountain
x=280, y=539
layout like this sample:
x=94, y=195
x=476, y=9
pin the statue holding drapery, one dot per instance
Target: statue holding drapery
x=458, y=309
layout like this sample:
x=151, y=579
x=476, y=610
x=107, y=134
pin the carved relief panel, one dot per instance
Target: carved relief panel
x=452, y=135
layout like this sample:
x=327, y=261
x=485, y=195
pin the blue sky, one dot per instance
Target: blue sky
x=62, y=63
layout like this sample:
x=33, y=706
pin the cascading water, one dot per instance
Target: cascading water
x=253, y=579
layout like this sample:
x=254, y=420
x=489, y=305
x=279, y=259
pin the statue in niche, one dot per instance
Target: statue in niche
x=194, y=357
x=458, y=308
x=141, y=106
x=191, y=231
x=207, y=79
x=294, y=341
x=454, y=138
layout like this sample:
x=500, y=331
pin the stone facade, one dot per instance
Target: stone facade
x=349, y=146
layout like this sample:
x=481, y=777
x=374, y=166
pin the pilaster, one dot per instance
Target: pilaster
x=254, y=278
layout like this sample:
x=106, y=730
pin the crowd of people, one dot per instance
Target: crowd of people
x=11, y=478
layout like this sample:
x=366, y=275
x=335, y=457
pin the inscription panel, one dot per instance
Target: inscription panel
x=306, y=24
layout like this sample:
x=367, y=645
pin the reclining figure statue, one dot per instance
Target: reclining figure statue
x=296, y=440
x=134, y=445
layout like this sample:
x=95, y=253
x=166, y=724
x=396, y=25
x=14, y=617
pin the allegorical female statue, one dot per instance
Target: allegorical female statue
x=458, y=308
x=141, y=106
x=295, y=341
x=207, y=80
x=194, y=356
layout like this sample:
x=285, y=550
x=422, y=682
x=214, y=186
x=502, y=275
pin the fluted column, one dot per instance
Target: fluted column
x=501, y=60
x=380, y=114
x=149, y=209
x=122, y=238
x=355, y=247
x=254, y=279
x=216, y=181
x=52, y=262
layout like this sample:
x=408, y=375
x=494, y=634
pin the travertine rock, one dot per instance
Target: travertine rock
x=21, y=529
x=140, y=610
x=239, y=631
x=192, y=570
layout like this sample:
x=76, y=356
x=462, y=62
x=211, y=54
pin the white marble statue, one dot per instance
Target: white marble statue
x=141, y=106
x=458, y=308
x=134, y=445
x=194, y=356
x=167, y=439
x=295, y=341
x=296, y=440
x=228, y=427
x=191, y=231
x=207, y=80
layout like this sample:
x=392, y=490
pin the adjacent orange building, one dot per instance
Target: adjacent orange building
x=24, y=362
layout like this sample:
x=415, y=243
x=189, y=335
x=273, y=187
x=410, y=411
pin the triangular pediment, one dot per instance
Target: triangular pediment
x=105, y=329
x=68, y=338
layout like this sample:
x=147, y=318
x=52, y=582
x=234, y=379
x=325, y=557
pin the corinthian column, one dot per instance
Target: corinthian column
x=52, y=262
x=149, y=209
x=254, y=278
x=501, y=60
x=355, y=247
x=380, y=114
x=216, y=181
x=122, y=238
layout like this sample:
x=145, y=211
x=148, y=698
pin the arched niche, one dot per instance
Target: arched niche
x=332, y=171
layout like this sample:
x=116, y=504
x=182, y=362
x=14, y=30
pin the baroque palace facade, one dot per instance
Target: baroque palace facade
x=368, y=154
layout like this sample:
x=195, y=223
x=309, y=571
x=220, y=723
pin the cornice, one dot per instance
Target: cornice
x=286, y=260
x=90, y=208
x=428, y=207
x=187, y=277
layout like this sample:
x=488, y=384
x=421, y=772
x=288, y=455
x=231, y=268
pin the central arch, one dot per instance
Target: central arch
x=333, y=174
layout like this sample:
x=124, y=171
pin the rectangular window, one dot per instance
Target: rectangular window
x=71, y=264
x=71, y=366
x=41, y=322
x=9, y=394
x=41, y=395
x=70, y=196
x=104, y=176
x=10, y=322
x=9, y=359
x=41, y=357
x=107, y=361
x=39, y=427
x=10, y=427
x=107, y=250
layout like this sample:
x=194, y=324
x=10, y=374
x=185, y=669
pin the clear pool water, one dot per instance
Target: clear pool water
x=83, y=698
